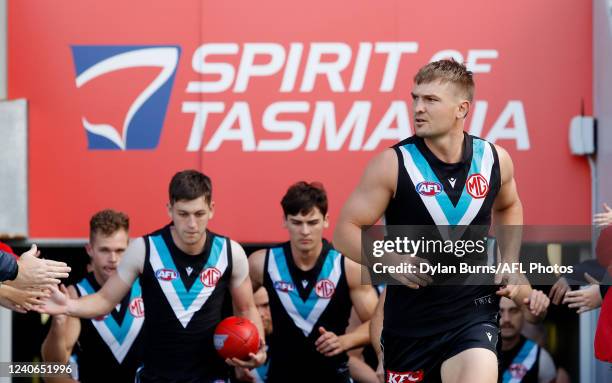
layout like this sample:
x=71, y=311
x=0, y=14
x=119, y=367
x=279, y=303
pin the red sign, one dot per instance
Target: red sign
x=258, y=96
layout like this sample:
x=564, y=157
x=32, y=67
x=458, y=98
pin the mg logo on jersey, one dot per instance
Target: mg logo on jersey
x=210, y=277
x=404, y=377
x=165, y=274
x=325, y=288
x=429, y=188
x=284, y=286
x=137, y=307
x=477, y=186
x=142, y=124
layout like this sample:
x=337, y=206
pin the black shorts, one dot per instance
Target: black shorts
x=408, y=359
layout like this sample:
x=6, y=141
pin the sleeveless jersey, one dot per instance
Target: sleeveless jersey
x=113, y=341
x=464, y=195
x=184, y=295
x=301, y=302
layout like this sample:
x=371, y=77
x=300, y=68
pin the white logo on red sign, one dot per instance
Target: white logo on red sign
x=405, y=377
x=325, y=288
x=210, y=276
x=137, y=307
x=477, y=186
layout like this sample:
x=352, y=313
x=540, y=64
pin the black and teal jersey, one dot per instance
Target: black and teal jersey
x=301, y=302
x=110, y=348
x=432, y=192
x=184, y=296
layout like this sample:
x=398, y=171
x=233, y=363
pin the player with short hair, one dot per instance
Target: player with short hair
x=312, y=288
x=438, y=332
x=108, y=347
x=185, y=271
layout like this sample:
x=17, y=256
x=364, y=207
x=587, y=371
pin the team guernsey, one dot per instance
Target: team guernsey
x=432, y=192
x=114, y=341
x=300, y=303
x=184, y=295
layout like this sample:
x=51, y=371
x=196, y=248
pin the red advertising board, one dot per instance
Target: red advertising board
x=259, y=95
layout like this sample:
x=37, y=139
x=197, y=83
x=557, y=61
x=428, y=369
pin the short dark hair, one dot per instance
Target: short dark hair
x=107, y=222
x=189, y=185
x=302, y=197
x=447, y=71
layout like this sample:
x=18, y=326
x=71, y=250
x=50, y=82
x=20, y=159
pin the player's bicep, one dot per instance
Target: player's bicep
x=256, y=268
x=132, y=262
x=508, y=193
x=376, y=187
x=240, y=265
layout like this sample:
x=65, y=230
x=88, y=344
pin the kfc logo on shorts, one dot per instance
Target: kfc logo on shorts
x=165, y=274
x=477, y=186
x=137, y=307
x=283, y=286
x=429, y=188
x=517, y=371
x=210, y=276
x=325, y=288
x=404, y=377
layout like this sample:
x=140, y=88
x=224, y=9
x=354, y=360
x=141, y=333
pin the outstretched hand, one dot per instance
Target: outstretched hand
x=56, y=303
x=38, y=273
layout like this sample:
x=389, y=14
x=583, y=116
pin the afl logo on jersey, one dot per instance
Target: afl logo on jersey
x=477, y=186
x=165, y=274
x=283, y=286
x=429, y=188
x=210, y=277
x=325, y=288
x=137, y=307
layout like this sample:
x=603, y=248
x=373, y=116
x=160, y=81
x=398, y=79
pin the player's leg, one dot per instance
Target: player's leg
x=474, y=365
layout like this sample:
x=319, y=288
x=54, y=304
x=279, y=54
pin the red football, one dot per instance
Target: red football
x=236, y=337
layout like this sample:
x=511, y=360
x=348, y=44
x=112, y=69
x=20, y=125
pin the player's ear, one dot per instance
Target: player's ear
x=463, y=110
x=89, y=249
x=211, y=207
x=326, y=221
x=169, y=207
x=285, y=223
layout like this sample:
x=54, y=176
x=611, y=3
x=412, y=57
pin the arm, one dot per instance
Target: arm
x=366, y=204
x=256, y=268
x=547, y=371
x=24, y=299
x=364, y=301
x=108, y=296
x=61, y=338
x=8, y=267
x=241, y=291
x=360, y=372
x=508, y=217
x=376, y=326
